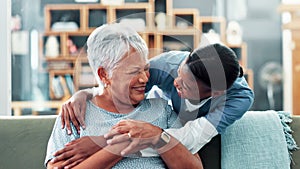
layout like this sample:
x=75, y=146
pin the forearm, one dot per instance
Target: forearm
x=51, y=165
x=173, y=151
x=105, y=158
x=102, y=159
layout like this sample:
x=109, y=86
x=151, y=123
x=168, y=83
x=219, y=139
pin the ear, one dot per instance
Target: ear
x=102, y=74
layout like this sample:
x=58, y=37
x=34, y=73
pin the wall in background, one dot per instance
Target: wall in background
x=5, y=69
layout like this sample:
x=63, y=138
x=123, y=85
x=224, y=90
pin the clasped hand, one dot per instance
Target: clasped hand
x=141, y=134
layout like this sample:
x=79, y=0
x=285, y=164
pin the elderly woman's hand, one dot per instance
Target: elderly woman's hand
x=141, y=134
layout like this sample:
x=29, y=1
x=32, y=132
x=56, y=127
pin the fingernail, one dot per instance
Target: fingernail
x=55, y=167
x=83, y=126
x=105, y=135
x=52, y=160
x=122, y=153
x=69, y=131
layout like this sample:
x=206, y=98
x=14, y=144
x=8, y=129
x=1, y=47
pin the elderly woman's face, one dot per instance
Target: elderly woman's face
x=129, y=79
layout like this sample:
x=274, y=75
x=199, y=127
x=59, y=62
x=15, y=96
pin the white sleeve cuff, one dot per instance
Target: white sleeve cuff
x=194, y=134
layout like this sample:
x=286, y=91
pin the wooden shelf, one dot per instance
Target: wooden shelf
x=211, y=21
x=292, y=25
x=188, y=16
x=90, y=16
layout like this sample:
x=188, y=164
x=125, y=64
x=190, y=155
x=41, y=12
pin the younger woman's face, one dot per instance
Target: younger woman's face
x=187, y=86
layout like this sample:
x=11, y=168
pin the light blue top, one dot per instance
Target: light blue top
x=220, y=111
x=99, y=121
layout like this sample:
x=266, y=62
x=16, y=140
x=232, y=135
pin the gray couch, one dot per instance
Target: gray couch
x=24, y=139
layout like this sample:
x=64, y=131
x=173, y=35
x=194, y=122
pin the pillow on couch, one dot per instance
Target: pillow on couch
x=257, y=140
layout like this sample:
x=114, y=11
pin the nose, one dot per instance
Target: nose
x=144, y=77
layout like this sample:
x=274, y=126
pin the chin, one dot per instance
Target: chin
x=137, y=100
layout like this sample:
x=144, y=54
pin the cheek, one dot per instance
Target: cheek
x=132, y=82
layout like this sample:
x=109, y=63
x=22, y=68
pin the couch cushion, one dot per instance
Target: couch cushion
x=24, y=141
x=255, y=141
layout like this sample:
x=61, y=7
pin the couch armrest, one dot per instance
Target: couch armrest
x=295, y=126
x=24, y=140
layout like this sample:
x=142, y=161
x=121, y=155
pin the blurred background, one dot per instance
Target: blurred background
x=253, y=29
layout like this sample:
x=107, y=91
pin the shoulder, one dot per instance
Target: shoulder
x=166, y=64
x=156, y=105
x=240, y=84
x=156, y=102
x=240, y=90
x=172, y=57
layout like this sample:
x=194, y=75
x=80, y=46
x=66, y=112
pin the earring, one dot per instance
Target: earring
x=105, y=85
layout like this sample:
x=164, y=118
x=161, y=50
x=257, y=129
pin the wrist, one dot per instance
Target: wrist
x=162, y=139
x=157, y=136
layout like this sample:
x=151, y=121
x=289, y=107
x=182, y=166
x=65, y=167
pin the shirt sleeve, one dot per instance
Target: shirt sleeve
x=225, y=110
x=58, y=139
x=194, y=134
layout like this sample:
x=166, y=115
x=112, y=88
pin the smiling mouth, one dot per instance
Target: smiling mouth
x=140, y=88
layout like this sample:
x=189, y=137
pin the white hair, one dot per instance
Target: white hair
x=109, y=43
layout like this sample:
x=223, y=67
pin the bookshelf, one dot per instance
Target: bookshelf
x=182, y=31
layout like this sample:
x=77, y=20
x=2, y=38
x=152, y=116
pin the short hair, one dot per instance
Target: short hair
x=109, y=43
x=215, y=65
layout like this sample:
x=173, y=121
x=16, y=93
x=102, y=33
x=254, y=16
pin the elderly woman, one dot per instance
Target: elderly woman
x=117, y=55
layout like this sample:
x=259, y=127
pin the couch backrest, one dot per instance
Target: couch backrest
x=24, y=140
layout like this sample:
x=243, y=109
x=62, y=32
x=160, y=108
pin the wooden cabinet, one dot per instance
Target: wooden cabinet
x=182, y=31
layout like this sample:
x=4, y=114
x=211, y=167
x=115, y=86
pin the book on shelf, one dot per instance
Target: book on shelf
x=60, y=87
x=70, y=83
x=57, y=88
